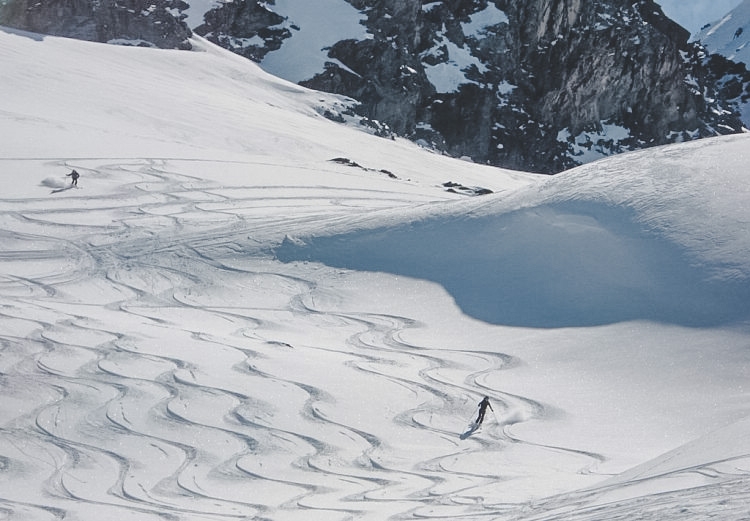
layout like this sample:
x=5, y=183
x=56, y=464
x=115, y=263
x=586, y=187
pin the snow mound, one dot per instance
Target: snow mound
x=658, y=235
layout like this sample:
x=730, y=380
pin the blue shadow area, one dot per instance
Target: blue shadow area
x=569, y=265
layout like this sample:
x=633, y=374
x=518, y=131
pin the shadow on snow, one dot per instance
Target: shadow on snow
x=552, y=266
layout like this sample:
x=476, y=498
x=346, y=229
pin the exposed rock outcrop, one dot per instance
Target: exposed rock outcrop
x=153, y=23
x=249, y=29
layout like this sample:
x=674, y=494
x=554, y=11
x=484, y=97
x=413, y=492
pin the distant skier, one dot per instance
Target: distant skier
x=483, y=409
x=74, y=176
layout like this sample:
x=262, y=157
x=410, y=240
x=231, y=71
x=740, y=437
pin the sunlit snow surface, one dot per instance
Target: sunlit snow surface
x=171, y=348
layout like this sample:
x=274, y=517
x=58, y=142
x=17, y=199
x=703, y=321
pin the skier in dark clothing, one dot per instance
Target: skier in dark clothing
x=483, y=409
x=74, y=176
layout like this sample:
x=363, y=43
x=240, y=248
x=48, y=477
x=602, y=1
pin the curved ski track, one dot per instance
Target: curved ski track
x=155, y=366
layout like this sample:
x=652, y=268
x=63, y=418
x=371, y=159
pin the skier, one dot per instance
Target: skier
x=482, y=409
x=74, y=176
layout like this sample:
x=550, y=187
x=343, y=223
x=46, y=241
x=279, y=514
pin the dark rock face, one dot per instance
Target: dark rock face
x=245, y=28
x=545, y=84
x=127, y=22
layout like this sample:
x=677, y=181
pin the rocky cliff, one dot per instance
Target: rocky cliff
x=538, y=85
x=154, y=23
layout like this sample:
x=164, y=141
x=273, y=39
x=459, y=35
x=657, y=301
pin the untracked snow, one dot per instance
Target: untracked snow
x=247, y=311
x=487, y=17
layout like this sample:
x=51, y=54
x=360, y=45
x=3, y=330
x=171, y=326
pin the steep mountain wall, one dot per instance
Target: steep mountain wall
x=538, y=85
x=129, y=22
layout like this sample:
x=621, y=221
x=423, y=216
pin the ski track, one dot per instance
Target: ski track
x=201, y=407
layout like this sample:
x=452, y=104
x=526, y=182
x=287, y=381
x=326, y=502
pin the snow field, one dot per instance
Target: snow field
x=222, y=323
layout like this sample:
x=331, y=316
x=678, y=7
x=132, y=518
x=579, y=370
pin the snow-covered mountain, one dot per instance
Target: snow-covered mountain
x=249, y=311
x=730, y=35
x=540, y=85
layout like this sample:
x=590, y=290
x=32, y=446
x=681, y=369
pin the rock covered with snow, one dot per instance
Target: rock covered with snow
x=541, y=85
x=249, y=29
x=728, y=40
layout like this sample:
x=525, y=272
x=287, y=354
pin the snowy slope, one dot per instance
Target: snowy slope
x=593, y=246
x=170, y=348
x=730, y=35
